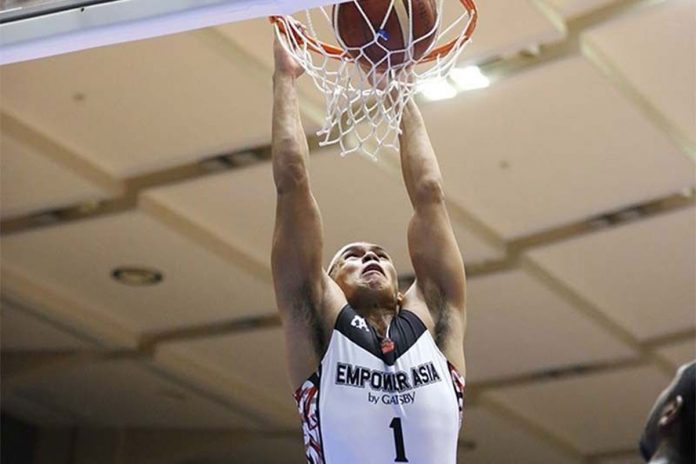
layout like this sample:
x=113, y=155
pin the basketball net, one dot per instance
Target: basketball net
x=365, y=100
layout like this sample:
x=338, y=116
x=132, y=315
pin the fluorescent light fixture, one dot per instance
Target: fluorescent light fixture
x=469, y=78
x=437, y=89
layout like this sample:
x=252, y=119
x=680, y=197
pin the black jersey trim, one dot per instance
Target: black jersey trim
x=405, y=330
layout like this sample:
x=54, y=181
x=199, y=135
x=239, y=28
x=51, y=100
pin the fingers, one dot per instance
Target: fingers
x=277, y=46
x=278, y=50
x=285, y=62
x=282, y=60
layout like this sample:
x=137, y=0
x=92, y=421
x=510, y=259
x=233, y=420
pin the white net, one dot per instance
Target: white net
x=367, y=87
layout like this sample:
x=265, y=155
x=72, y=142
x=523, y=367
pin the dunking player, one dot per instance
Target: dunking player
x=378, y=374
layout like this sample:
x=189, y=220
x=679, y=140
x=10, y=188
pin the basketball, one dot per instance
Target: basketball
x=390, y=43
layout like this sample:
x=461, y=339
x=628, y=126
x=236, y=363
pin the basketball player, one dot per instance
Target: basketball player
x=378, y=374
x=670, y=432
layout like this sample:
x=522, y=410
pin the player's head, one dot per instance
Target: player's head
x=366, y=274
x=670, y=424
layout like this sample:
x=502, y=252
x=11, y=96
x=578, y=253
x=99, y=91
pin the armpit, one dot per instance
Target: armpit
x=306, y=313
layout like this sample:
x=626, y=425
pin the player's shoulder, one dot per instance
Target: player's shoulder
x=415, y=302
x=332, y=301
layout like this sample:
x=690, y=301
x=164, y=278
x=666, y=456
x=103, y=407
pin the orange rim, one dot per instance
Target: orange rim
x=338, y=53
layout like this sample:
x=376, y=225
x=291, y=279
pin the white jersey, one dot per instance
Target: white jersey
x=381, y=401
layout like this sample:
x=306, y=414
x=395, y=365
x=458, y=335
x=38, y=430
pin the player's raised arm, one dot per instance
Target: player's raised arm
x=439, y=268
x=296, y=257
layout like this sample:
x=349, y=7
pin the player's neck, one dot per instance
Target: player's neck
x=378, y=317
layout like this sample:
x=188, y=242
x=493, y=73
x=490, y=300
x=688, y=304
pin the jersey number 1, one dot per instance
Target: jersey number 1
x=395, y=425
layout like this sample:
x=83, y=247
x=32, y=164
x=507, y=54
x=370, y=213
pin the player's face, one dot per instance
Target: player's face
x=363, y=269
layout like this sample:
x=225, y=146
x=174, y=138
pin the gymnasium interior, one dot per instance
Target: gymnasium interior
x=138, y=317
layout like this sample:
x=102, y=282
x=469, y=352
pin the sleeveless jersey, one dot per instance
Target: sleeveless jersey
x=375, y=401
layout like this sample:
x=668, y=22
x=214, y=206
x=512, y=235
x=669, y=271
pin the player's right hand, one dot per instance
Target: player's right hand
x=284, y=62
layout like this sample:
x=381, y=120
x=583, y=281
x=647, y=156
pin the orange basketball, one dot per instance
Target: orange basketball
x=393, y=35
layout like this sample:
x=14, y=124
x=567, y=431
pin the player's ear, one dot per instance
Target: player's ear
x=670, y=411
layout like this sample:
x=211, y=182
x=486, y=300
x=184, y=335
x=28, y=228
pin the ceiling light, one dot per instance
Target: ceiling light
x=437, y=89
x=469, y=78
x=137, y=276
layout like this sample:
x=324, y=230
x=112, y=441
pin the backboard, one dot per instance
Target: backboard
x=39, y=28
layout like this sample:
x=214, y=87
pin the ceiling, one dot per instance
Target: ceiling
x=570, y=183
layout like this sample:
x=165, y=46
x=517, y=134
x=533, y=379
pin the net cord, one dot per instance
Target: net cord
x=364, y=104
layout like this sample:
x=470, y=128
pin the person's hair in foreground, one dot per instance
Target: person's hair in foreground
x=668, y=437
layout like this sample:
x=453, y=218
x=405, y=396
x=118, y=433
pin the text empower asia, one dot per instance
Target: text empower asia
x=389, y=382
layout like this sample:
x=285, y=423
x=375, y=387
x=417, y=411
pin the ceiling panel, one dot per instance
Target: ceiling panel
x=67, y=309
x=596, y=413
x=515, y=325
x=138, y=396
x=145, y=105
x=549, y=146
x=240, y=206
x=255, y=359
x=24, y=167
x=254, y=38
x=570, y=9
x=34, y=413
x=641, y=274
x=483, y=429
x=679, y=353
x=379, y=209
x=659, y=66
x=78, y=258
x=25, y=331
x=506, y=27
